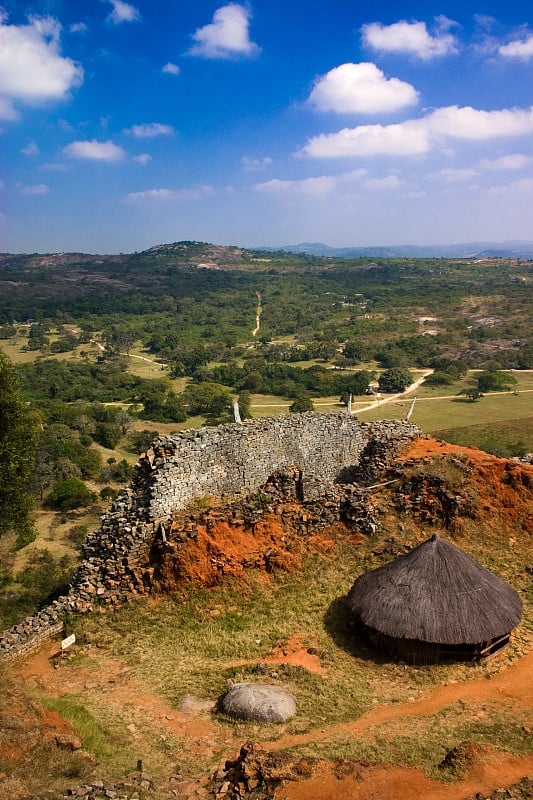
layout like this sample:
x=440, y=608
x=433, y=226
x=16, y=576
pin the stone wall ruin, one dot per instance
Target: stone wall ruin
x=226, y=462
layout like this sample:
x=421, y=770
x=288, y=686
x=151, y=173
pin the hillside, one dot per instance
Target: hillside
x=140, y=680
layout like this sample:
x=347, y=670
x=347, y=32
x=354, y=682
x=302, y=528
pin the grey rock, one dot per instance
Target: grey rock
x=191, y=704
x=259, y=702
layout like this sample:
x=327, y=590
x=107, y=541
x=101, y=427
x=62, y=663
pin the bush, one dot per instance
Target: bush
x=495, y=381
x=439, y=378
x=139, y=441
x=69, y=493
x=301, y=404
x=395, y=380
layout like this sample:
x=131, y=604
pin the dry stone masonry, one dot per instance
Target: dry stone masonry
x=227, y=463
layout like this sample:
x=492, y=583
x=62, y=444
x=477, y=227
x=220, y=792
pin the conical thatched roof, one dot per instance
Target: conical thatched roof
x=436, y=593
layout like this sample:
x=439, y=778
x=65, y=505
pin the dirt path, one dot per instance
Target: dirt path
x=390, y=398
x=258, y=315
x=512, y=684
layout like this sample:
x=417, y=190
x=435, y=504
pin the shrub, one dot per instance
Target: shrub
x=69, y=493
x=301, y=404
x=395, y=380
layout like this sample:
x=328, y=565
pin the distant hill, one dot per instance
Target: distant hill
x=513, y=249
x=213, y=256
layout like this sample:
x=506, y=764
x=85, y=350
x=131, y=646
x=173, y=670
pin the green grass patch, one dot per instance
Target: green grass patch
x=437, y=415
x=97, y=736
x=506, y=439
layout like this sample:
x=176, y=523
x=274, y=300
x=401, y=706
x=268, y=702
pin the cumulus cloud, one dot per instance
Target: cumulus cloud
x=255, y=164
x=78, y=27
x=360, y=88
x=31, y=149
x=150, y=130
x=7, y=110
x=194, y=193
x=122, y=12
x=412, y=38
x=420, y=136
x=512, y=161
x=142, y=158
x=454, y=175
x=323, y=184
x=475, y=124
x=94, y=151
x=32, y=69
x=312, y=187
x=383, y=184
x=404, y=139
x=521, y=48
x=40, y=188
x=226, y=36
x=522, y=185
x=171, y=69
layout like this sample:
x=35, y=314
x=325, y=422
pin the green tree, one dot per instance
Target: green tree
x=395, y=380
x=37, y=337
x=139, y=441
x=19, y=434
x=301, y=404
x=69, y=493
x=210, y=400
x=245, y=408
x=495, y=381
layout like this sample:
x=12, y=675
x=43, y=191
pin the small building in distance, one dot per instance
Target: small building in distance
x=435, y=604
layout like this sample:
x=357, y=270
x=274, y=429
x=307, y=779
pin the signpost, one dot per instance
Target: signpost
x=65, y=644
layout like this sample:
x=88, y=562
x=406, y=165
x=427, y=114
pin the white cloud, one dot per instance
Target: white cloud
x=32, y=69
x=403, y=139
x=313, y=187
x=171, y=69
x=142, y=158
x=31, y=149
x=518, y=49
x=522, y=185
x=226, y=36
x=324, y=184
x=78, y=27
x=194, y=193
x=40, y=188
x=94, y=151
x=420, y=136
x=255, y=164
x=7, y=111
x=454, y=175
x=512, y=161
x=412, y=38
x=123, y=12
x=360, y=88
x=475, y=124
x=149, y=130
x=380, y=184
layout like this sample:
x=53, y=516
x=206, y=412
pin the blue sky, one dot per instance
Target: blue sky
x=128, y=124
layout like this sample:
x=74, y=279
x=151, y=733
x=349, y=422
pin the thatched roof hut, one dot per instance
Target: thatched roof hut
x=435, y=603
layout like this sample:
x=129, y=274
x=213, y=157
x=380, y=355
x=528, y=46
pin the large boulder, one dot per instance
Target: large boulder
x=259, y=702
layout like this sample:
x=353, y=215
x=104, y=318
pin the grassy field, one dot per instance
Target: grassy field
x=438, y=410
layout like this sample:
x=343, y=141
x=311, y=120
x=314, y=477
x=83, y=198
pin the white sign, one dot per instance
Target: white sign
x=68, y=641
